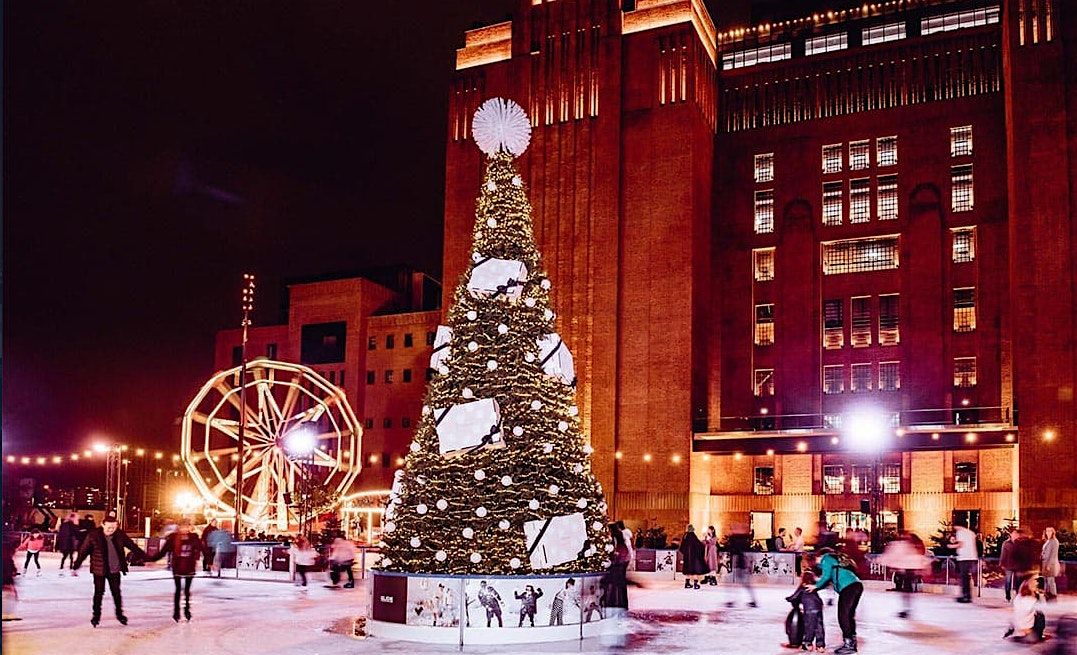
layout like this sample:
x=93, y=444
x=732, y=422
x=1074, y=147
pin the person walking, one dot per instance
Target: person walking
x=220, y=541
x=186, y=547
x=341, y=559
x=840, y=572
x=491, y=601
x=740, y=542
x=1007, y=563
x=304, y=557
x=207, y=547
x=907, y=556
x=710, y=554
x=107, y=548
x=1050, y=567
x=693, y=563
x=67, y=541
x=33, y=544
x=964, y=542
x=528, y=603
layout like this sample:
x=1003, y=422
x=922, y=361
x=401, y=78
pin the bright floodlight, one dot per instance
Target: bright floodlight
x=186, y=501
x=865, y=430
x=99, y=447
x=299, y=443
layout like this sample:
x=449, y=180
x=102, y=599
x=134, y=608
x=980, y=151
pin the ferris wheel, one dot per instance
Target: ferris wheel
x=300, y=433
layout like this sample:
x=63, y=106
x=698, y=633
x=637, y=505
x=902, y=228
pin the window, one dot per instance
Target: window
x=271, y=350
x=826, y=43
x=764, y=211
x=370, y=377
x=430, y=336
x=961, y=198
x=860, y=480
x=859, y=155
x=389, y=376
x=965, y=477
x=961, y=141
x=860, y=255
x=959, y=20
x=964, y=372
x=390, y=341
x=341, y=378
x=387, y=423
x=860, y=200
x=763, y=261
x=964, y=244
x=832, y=158
x=372, y=343
x=764, y=382
x=887, y=207
x=405, y=422
x=890, y=478
x=385, y=459
x=886, y=151
x=408, y=340
x=764, y=325
x=323, y=343
x=764, y=480
x=369, y=424
x=833, y=324
x=407, y=375
x=237, y=356
x=965, y=309
x=860, y=332
x=746, y=58
x=889, y=321
x=883, y=33
x=764, y=167
x=833, y=479
x=889, y=376
x=832, y=202
x=833, y=380
x=860, y=379
x=332, y=377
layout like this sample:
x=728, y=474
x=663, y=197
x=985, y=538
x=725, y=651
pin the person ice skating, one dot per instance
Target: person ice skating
x=1028, y=621
x=615, y=582
x=694, y=564
x=85, y=526
x=33, y=545
x=304, y=557
x=907, y=555
x=1050, y=567
x=491, y=600
x=67, y=541
x=710, y=554
x=626, y=535
x=808, y=615
x=1026, y=557
x=341, y=560
x=841, y=573
x=1009, y=567
x=561, y=599
x=528, y=603
x=106, y=547
x=964, y=542
x=740, y=542
x=207, y=547
x=185, y=547
x=10, y=594
x=221, y=543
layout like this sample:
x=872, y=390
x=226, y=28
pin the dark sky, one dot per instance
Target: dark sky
x=154, y=152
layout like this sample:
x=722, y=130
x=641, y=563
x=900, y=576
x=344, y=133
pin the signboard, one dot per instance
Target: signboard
x=390, y=599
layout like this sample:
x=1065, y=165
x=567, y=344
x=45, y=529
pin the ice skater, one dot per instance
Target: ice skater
x=207, y=545
x=304, y=557
x=841, y=573
x=10, y=594
x=560, y=599
x=186, y=547
x=33, y=545
x=1028, y=621
x=491, y=600
x=67, y=541
x=809, y=607
x=341, y=560
x=106, y=547
x=528, y=603
x=694, y=563
x=740, y=542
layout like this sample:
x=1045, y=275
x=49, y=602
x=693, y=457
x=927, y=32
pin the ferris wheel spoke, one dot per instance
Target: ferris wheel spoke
x=292, y=397
x=274, y=414
x=308, y=416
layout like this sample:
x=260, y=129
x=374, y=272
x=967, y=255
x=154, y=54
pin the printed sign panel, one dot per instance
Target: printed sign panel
x=433, y=602
x=390, y=599
x=524, y=602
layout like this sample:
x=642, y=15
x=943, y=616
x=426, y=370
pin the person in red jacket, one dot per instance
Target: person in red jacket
x=186, y=548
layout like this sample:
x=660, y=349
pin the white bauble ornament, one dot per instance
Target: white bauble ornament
x=444, y=370
x=421, y=509
x=492, y=222
x=609, y=548
x=530, y=302
x=577, y=469
x=562, y=426
x=467, y=392
x=572, y=411
x=587, y=449
x=389, y=527
x=581, y=503
x=501, y=125
x=545, y=284
x=415, y=542
x=426, y=409
x=414, y=447
x=554, y=489
x=478, y=234
x=596, y=526
x=476, y=257
x=442, y=504
x=548, y=314
x=547, y=448
x=480, y=475
x=492, y=364
x=518, y=431
x=476, y=558
x=491, y=186
x=514, y=562
x=472, y=315
x=536, y=405
x=468, y=533
x=440, y=555
x=503, y=524
x=506, y=480
x=502, y=328
x=529, y=357
x=533, y=504
x=517, y=181
x=385, y=561
x=472, y=346
x=480, y=512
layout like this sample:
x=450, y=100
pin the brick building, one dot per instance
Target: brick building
x=803, y=260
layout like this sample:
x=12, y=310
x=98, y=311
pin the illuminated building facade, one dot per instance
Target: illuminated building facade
x=803, y=261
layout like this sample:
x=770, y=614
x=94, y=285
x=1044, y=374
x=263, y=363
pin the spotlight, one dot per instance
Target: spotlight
x=299, y=442
x=865, y=431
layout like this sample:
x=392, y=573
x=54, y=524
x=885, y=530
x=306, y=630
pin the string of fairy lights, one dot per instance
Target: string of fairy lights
x=836, y=16
x=97, y=452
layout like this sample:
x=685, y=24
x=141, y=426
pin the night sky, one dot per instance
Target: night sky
x=153, y=153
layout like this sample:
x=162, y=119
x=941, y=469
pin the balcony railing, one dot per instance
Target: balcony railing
x=916, y=418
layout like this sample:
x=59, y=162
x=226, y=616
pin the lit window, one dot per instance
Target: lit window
x=859, y=155
x=832, y=202
x=860, y=480
x=860, y=200
x=964, y=244
x=965, y=477
x=888, y=198
x=860, y=332
x=960, y=20
x=889, y=376
x=371, y=343
x=889, y=320
x=886, y=153
x=961, y=199
x=859, y=255
x=764, y=480
x=890, y=478
x=826, y=43
x=833, y=380
x=763, y=264
x=388, y=377
x=764, y=211
x=860, y=378
x=764, y=325
x=832, y=421
x=832, y=158
x=965, y=309
x=961, y=141
x=883, y=33
x=833, y=325
x=964, y=372
x=764, y=167
x=764, y=382
x=833, y=479
x=746, y=58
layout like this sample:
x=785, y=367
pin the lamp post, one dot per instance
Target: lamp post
x=867, y=431
x=300, y=444
x=248, y=306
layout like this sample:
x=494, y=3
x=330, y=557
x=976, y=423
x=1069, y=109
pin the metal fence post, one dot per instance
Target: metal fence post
x=461, y=611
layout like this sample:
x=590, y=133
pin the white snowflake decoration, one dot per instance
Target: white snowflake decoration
x=530, y=302
x=545, y=284
x=472, y=315
x=518, y=431
x=562, y=426
x=533, y=504
x=492, y=364
x=421, y=508
x=506, y=480
x=492, y=222
x=415, y=447
x=480, y=512
x=472, y=346
x=480, y=475
x=517, y=181
x=491, y=186
x=501, y=124
x=503, y=524
x=502, y=329
x=554, y=490
x=582, y=503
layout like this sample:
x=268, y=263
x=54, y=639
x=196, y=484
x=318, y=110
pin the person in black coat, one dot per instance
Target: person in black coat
x=106, y=548
x=693, y=563
x=67, y=540
x=804, y=625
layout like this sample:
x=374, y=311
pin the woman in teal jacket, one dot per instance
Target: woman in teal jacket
x=849, y=589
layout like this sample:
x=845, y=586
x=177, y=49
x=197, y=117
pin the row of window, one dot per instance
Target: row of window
x=886, y=154
x=886, y=200
x=390, y=341
x=372, y=376
x=860, y=332
x=889, y=379
x=861, y=478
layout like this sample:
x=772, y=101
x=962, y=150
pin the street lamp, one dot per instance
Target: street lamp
x=248, y=307
x=301, y=444
x=867, y=431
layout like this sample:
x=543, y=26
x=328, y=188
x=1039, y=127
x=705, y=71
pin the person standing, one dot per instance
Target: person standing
x=207, y=547
x=33, y=545
x=626, y=534
x=710, y=554
x=341, y=559
x=964, y=542
x=528, y=603
x=1006, y=561
x=304, y=557
x=67, y=541
x=186, y=547
x=842, y=576
x=797, y=545
x=106, y=547
x=1050, y=567
x=693, y=564
x=779, y=541
x=808, y=605
x=220, y=541
x=491, y=601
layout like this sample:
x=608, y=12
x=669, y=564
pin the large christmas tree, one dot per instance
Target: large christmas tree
x=499, y=479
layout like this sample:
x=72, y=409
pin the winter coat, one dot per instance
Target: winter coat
x=94, y=547
x=710, y=548
x=342, y=551
x=33, y=544
x=1026, y=554
x=185, y=549
x=832, y=573
x=528, y=600
x=692, y=552
x=807, y=599
x=85, y=527
x=206, y=534
x=1049, y=565
x=303, y=556
x=67, y=539
x=901, y=554
x=221, y=541
x=615, y=582
x=1005, y=559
